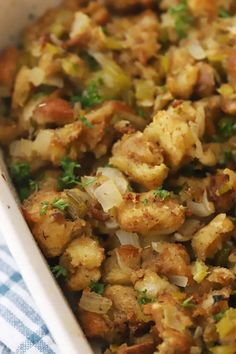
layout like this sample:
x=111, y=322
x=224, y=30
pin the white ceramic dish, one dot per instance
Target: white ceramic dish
x=45, y=291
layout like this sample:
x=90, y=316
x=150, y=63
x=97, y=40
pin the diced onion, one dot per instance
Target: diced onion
x=128, y=238
x=203, y=209
x=90, y=301
x=196, y=50
x=37, y=76
x=189, y=228
x=116, y=176
x=80, y=26
x=108, y=195
x=157, y=246
x=179, y=280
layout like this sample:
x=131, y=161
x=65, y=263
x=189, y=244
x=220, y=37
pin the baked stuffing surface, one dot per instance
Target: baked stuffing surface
x=118, y=122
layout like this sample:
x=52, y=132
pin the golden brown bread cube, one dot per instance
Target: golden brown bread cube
x=82, y=260
x=140, y=159
x=144, y=214
x=208, y=240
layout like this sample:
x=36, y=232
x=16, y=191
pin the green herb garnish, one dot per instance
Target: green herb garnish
x=227, y=157
x=183, y=18
x=188, y=303
x=144, y=299
x=226, y=127
x=218, y=316
x=60, y=204
x=59, y=271
x=223, y=12
x=20, y=173
x=90, y=97
x=44, y=208
x=86, y=121
x=145, y=201
x=68, y=179
x=97, y=287
x=161, y=193
x=85, y=183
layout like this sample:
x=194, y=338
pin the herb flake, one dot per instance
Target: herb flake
x=161, y=193
x=97, y=287
x=59, y=271
x=60, y=204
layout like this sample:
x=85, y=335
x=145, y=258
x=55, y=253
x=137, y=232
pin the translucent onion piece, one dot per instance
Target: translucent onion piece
x=108, y=195
x=116, y=176
x=203, y=209
x=179, y=280
x=128, y=238
x=90, y=301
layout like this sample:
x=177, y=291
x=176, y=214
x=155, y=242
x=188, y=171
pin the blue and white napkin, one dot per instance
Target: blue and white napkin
x=22, y=330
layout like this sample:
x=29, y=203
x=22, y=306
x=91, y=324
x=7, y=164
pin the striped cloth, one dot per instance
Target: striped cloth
x=21, y=328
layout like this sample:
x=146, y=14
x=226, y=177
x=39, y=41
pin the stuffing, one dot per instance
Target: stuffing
x=121, y=263
x=154, y=217
x=171, y=260
x=117, y=122
x=208, y=240
x=152, y=284
x=82, y=260
x=53, y=110
x=49, y=225
x=140, y=160
x=174, y=129
x=50, y=145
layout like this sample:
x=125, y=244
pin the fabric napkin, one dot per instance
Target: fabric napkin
x=22, y=330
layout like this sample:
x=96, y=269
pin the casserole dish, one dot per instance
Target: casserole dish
x=45, y=291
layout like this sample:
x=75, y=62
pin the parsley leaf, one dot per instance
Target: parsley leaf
x=87, y=181
x=68, y=179
x=59, y=271
x=183, y=19
x=223, y=12
x=90, y=97
x=60, y=204
x=20, y=174
x=227, y=157
x=145, y=201
x=218, y=316
x=143, y=298
x=44, y=208
x=86, y=121
x=97, y=287
x=161, y=193
x=188, y=302
x=226, y=127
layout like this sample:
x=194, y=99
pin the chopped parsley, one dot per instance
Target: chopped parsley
x=161, y=193
x=223, y=12
x=68, y=179
x=218, y=316
x=183, y=19
x=145, y=201
x=44, y=208
x=97, y=287
x=188, y=303
x=226, y=127
x=59, y=271
x=60, y=204
x=87, y=181
x=90, y=97
x=86, y=121
x=20, y=173
x=227, y=157
x=143, y=299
